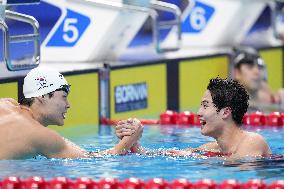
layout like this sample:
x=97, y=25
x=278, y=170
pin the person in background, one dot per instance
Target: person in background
x=23, y=127
x=250, y=70
x=223, y=106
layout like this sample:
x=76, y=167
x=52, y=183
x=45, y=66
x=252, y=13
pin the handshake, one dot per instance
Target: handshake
x=129, y=127
x=130, y=130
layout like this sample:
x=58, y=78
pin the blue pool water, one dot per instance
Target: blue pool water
x=147, y=167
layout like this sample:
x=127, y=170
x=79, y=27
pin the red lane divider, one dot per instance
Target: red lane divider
x=255, y=183
x=133, y=183
x=85, y=183
x=157, y=183
x=230, y=184
x=255, y=119
x=60, y=183
x=35, y=182
x=279, y=184
x=275, y=119
x=205, y=184
x=11, y=183
x=181, y=184
x=109, y=183
x=187, y=118
x=184, y=118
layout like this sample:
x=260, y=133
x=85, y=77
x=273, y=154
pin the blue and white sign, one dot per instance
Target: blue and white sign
x=198, y=18
x=70, y=30
x=131, y=97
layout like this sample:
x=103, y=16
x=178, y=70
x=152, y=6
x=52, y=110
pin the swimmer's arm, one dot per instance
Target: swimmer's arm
x=50, y=144
x=119, y=149
x=138, y=149
x=56, y=146
x=211, y=146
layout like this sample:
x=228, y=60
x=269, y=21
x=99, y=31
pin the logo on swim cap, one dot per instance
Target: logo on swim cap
x=40, y=81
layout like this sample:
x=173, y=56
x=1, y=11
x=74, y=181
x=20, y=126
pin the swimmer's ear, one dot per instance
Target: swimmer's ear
x=227, y=111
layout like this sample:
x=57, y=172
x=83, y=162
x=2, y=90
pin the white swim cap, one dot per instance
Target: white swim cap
x=40, y=81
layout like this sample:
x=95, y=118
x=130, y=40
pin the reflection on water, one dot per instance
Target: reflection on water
x=147, y=167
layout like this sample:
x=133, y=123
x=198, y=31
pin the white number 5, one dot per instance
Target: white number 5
x=69, y=26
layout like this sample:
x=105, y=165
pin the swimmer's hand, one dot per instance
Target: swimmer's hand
x=127, y=142
x=128, y=127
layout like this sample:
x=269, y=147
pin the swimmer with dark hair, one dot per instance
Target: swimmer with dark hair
x=223, y=106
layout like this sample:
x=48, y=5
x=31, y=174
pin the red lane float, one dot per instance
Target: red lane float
x=60, y=183
x=279, y=184
x=256, y=119
x=230, y=184
x=109, y=183
x=274, y=119
x=181, y=184
x=205, y=184
x=85, y=183
x=157, y=183
x=255, y=184
x=168, y=118
x=35, y=183
x=11, y=183
x=259, y=119
x=133, y=183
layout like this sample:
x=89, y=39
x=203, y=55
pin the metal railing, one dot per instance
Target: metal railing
x=176, y=22
x=8, y=39
x=276, y=13
x=152, y=11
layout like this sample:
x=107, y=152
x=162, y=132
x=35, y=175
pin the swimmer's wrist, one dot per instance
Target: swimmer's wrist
x=137, y=148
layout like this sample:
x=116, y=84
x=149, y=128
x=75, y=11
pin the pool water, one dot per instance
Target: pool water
x=147, y=167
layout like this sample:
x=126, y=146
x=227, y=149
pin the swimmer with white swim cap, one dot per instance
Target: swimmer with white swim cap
x=23, y=127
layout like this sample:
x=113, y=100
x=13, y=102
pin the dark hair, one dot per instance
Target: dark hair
x=29, y=101
x=229, y=93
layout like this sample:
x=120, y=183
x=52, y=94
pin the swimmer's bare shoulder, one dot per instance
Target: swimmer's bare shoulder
x=253, y=145
x=11, y=100
x=7, y=105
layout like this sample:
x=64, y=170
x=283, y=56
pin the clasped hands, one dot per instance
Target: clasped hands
x=129, y=127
